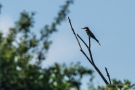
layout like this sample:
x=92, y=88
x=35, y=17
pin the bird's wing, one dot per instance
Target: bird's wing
x=91, y=34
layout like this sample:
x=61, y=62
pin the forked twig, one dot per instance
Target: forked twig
x=90, y=60
x=108, y=75
x=87, y=48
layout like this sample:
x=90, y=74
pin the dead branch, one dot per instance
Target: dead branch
x=90, y=60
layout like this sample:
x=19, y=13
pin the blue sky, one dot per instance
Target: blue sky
x=112, y=22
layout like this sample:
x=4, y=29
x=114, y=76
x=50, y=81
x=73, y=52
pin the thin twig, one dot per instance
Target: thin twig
x=91, y=57
x=74, y=34
x=89, y=42
x=83, y=41
x=90, y=50
x=108, y=75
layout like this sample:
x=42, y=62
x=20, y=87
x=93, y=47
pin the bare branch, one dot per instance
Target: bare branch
x=102, y=76
x=78, y=41
x=108, y=75
x=91, y=61
x=86, y=56
x=74, y=34
x=87, y=48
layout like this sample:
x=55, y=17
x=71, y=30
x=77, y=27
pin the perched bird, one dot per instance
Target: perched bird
x=90, y=34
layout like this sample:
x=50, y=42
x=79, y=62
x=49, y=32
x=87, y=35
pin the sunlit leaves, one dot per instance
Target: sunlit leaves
x=26, y=21
x=118, y=85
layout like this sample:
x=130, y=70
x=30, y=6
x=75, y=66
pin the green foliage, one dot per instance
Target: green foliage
x=21, y=46
x=63, y=77
x=118, y=85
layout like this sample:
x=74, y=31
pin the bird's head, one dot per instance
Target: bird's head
x=85, y=28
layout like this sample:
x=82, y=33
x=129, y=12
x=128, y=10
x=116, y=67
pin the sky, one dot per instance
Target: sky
x=111, y=21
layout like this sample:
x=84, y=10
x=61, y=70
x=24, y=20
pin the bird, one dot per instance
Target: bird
x=90, y=34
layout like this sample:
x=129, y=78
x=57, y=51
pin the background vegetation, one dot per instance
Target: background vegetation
x=21, y=46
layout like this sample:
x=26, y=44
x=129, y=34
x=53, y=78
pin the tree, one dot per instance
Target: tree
x=16, y=71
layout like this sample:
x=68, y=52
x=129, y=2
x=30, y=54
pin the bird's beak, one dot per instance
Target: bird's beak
x=82, y=28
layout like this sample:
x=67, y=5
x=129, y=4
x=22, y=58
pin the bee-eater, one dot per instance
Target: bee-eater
x=90, y=34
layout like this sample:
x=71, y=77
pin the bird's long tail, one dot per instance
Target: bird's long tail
x=98, y=41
